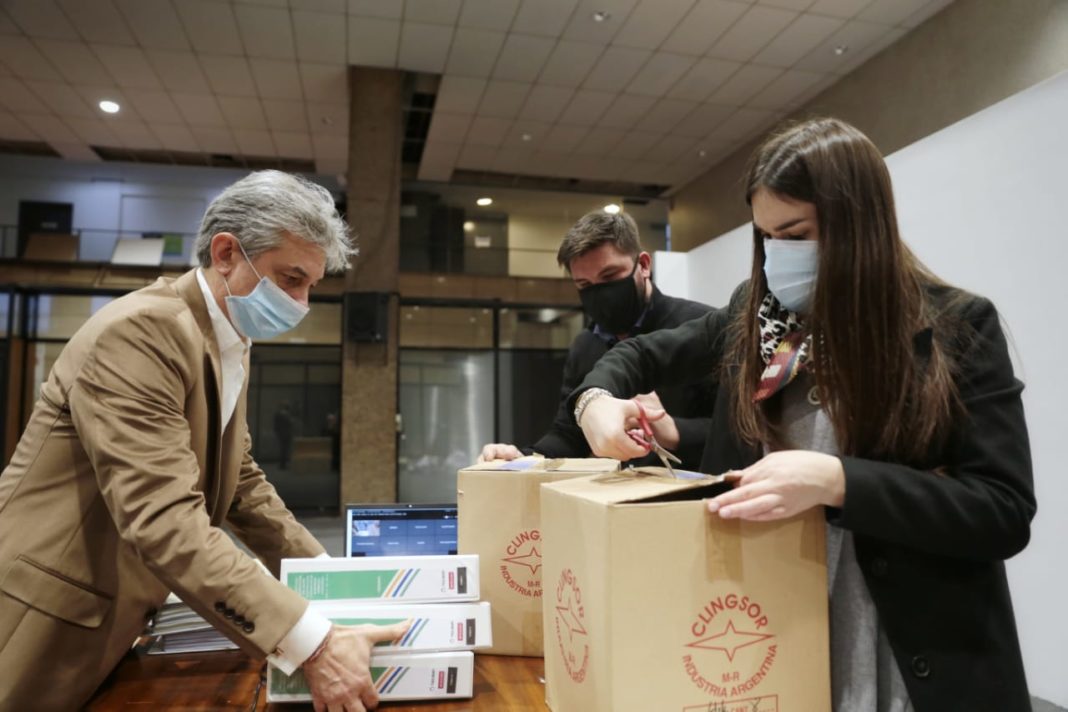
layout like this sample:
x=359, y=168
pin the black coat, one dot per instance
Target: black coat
x=931, y=546
x=689, y=402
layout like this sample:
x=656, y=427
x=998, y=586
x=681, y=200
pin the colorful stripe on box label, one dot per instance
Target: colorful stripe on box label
x=341, y=585
x=387, y=679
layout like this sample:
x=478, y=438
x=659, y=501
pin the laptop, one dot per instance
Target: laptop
x=400, y=529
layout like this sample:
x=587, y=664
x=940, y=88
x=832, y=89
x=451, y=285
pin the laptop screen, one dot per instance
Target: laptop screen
x=400, y=529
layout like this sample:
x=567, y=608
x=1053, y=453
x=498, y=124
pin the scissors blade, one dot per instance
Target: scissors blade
x=665, y=457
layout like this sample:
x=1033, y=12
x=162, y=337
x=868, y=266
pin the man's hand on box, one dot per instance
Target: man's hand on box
x=782, y=484
x=605, y=423
x=340, y=678
x=664, y=429
x=499, y=451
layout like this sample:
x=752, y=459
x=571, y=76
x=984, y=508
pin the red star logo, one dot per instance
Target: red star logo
x=571, y=619
x=729, y=641
x=531, y=560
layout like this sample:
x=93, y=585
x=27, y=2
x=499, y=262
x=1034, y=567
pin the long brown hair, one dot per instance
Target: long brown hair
x=868, y=306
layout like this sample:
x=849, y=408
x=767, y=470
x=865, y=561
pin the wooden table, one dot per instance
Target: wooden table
x=227, y=681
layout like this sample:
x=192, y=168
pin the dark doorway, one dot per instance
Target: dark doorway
x=40, y=217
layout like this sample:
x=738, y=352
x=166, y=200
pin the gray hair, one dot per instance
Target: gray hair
x=263, y=206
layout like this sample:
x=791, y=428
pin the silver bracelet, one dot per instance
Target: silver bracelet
x=587, y=397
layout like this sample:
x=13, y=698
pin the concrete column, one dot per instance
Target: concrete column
x=369, y=370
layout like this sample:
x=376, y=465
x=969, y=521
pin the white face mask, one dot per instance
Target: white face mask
x=791, y=267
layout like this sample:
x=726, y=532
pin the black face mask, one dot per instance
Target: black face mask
x=614, y=306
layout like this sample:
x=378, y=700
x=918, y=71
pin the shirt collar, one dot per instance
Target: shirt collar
x=225, y=333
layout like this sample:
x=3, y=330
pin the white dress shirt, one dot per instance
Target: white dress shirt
x=302, y=640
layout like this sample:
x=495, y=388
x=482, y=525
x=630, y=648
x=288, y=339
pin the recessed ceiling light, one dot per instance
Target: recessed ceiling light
x=469, y=226
x=484, y=201
x=612, y=208
x=840, y=50
x=526, y=137
x=702, y=153
x=108, y=106
x=601, y=16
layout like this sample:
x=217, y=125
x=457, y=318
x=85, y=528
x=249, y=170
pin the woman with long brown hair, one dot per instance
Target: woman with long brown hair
x=853, y=379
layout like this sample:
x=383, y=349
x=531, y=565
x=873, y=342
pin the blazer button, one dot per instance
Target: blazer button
x=228, y=613
x=248, y=626
x=880, y=567
x=220, y=606
x=150, y=614
x=920, y=666
x=239, y=620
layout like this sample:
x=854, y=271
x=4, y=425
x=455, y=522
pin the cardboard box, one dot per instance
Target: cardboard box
x=435, y=626
x=407, y=676
x=652, y=603
x=387, y=579
x=499, y=515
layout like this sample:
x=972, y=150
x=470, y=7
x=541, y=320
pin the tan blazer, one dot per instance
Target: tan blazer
x=116, y=495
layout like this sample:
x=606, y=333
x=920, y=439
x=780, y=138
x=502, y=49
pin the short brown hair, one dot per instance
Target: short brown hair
x=596, y=228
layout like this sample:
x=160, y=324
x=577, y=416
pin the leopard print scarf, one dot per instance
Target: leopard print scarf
x=785, y=347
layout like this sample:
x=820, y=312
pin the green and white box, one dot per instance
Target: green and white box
x=408, y=676
x=386, y=579
x=435, y=626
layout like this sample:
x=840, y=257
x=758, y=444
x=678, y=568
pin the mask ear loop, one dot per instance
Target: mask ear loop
x=244, y=254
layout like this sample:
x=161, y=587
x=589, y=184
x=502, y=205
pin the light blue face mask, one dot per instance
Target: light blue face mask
x=266, y=311
x=791, y=267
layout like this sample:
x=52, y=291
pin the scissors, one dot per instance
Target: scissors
x=645, y=438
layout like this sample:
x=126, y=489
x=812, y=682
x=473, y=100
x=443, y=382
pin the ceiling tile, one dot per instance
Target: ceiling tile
x=856, y=36
x=229, y=76
x=373, y=42
x=503, y=99
x=448, y=128
x=292, y=144
x=49, y=128
x=338, y=7
x=663, y=117
x=636, y=143
x=154, y=23
x=334, y=165
x=651, y=22
x=213, y=139
x=179, y=71
x=586, y=107
x=438, y=161
x=255, y=143
x=22, y=58
x=932, y=8
x=11, y=127
x=785, y=89
x=285, y=115
x=328, y=118
x=242, y=113
x=751, y=33
x=94, y=131
x=327, y=146
x=887, y=12
x=796, y=5
x=616, y=68
x=265, y=31
x=474, y=52
x=74, y=151
x=626, y=111
x=424, y=47
x=488, y=14
x=93, y=94
x=75, y=61
x=40, y=19
x=474, y=157
x=645, y=171
x=488, y=131
x=703, y=25
x=129, y=66
x=61, y=99
x=746, y=82
x=459, y=95
x=320, y=37
x=175, y=137
x=600, y=141
x=512, y=160
x=437, y=12
x=98, y=21
x=584, y=28
x=535, y=131
x=570, y=63
x=211, y=26
x=660, y=73
x=15, y=96
x=702, y=120
x=276, y=79
x=813, y=91
x=744, y=124
x=522, y=57
x=669, y=149
x=703, y=79
x=547, y=18
x=845, y=9
x=388, y=9
x=325, y=83
x=797, y=40
x=7, y=25
x=154, y=106
x=199, y=109
x=564, y=139
x=855, y=59
x=135, y=134
x=546, y=103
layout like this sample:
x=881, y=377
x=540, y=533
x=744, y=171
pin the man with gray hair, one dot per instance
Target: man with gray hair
x=138, y=454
